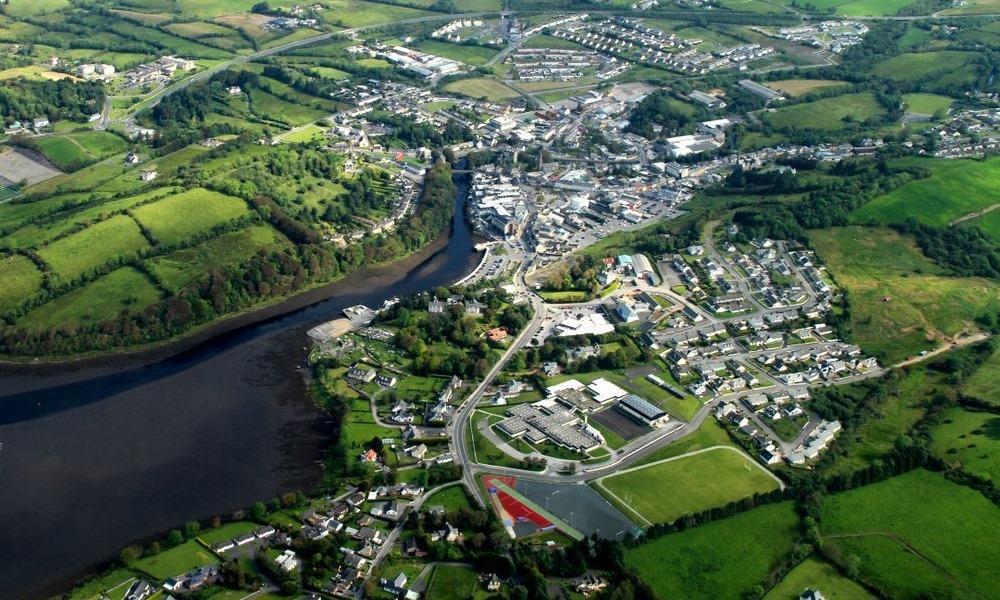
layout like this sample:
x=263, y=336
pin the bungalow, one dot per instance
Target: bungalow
x=286, y=561
x=368, y=534
x=139, y=590
x=148, y=175
x=244, y=539
x=369, y=456
x=361, y=375
x=497, y=334
x=386, y=381
x=40, y=123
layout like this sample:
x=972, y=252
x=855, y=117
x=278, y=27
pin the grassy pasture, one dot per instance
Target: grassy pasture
x=481, y=87
x=917, y=66
x=816, y=574
x=180, y=268
x=970, y=439
x=271, y=107
x=470, y=55
x=899, y=302
x=198, y=29
x=76, y=254
x=143, y=18
x=73, y=151
x=663, y=492
x=170, y=220
x=722, y=559
x=357, y=13
x=102, y=299
x=984, y=383
x=955, y=188
x=872, y=8
x=827, y=113
x=918, y=533
x=801, y=87
x=21, y=279
x=32, y=8
x=176, y=560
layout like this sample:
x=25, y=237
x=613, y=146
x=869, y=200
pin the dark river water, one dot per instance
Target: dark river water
x=97, y=457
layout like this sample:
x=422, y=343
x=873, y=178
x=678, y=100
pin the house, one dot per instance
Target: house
x=386, y=381
x=132, y=159
x=41, y=123
x=286, y=561
x=139, y=590
x=361, y=375
x=235, y=90
x=369, y=456
x=418, y=452
x=367, y=534
x=147, y=175
x=435, y=306
x=811, y=595
x=497, y=334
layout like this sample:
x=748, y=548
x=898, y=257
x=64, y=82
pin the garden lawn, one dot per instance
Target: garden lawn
x=984, y=383
x=815, y=574
x=900, y=305
x=452, y=499
x=94, y=246
x=175, y=561
x=21, y=279
x=827, y=113
x=663, y=492
x=918, y=534
x=954, y=189
x=226, y=532
x=451, y=583
x=116, y=579
x=971, y=440
x=481, y=87
x=178, y=217
x=177, y=269
x=722, y=559
x=100, y=300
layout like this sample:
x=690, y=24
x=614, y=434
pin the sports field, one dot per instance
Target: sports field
x=801, y=87
x=955, y=188
x=102, y=299
x=76, y=254
x=900, y=304
x=722, y=559
x=170, y=222
x=918, y=534
x=815, y=574
x=827, y=113
x=663, y=492
x=970, y=439
x=480, y=87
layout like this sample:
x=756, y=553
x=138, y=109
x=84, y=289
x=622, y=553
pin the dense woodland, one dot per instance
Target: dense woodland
x=24, y=100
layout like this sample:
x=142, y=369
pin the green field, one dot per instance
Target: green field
x=177, y=269
x=452, y=499
x=271, y=107
x=984, y=383
x=357, y=13
x=801, y=87
x=827, y=113
x=476, y=56
x=480, y=87
x=900, y=305
x=451, y=583
x=722, y=559
x=116, y=579
x=21, y=279
x=663, y=492
x=918, y=535
x=226, y=532
x=175, y=561
x=814, y=574
x=970, y=439
x=24, y=8
x=922, y=66
x=989, y=222
x=102, y=299
x=548, y=41
x=955, y=188
x=927, y=104
x=169, y=220
x=76, y=254
x=74, y=151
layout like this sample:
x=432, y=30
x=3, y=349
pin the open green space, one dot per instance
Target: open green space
x=451, y=583
x=722, y=559
x=74, y=151
x=94, y=246
x=226, y=532
x=663, y=492
x=927, y=104
x=818, y=575
x=177, y=269
x=175, y=561
x=452, y=499
x=984, y=383
x=169, y=220
x=801, y=87
x=917, y=535
x=954, y=189
x=98, y=587
x=271, y=107
x=357, y=13
x=21, y=279
x=480, y=87
x=34, y=7
x=827, y=113
x=900, y=304
x=923, y=66
x=548, y=41
x=102, y=299
x=476, y=56
x=970, y=439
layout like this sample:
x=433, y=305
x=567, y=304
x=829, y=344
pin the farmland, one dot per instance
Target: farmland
x=75, y=254
x=984, y=383
x=801, y=87
x=722, y=559
x=21, y=279
x=923, y=65
x=828, y=113
x=955, y=188
x=663, y=492
x=949, y=530
x=900, y=304
x=102, y=299
x=970, y=439
x=815, y=574
x=168, y=222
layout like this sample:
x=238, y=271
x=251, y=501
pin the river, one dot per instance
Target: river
x=101, y=455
